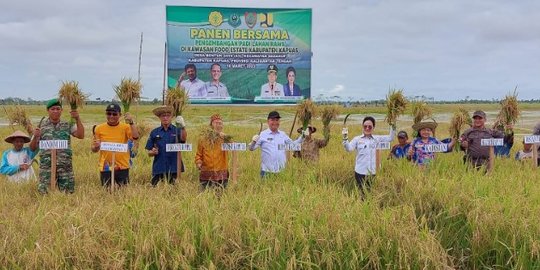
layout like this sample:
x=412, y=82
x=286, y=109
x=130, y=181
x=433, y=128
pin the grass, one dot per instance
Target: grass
x=311, y=217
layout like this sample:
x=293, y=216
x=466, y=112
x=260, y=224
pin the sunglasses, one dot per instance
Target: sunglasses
x=368, y=127
x=112, y=114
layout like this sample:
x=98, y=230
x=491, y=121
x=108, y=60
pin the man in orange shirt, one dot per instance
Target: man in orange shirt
x=210, y=159
x=114, y=131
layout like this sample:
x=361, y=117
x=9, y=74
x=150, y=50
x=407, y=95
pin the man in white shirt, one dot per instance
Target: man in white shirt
x=272, y=141
x=272, y=88
x=365, y=146
x=215, y=88
x=194, y=87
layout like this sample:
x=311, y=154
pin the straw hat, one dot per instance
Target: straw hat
x=17, y=134
x=427, y=124
x=162, y=109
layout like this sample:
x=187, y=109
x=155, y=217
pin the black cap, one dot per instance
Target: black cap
x=272, y=68
x=273, y=114
x=479, y=113
x=113, y=107
x=402, y=134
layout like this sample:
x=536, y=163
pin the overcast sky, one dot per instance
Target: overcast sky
x=444, y=49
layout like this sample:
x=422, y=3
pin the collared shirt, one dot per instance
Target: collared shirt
x=194, y=88
x=421, y=156
x=275, y=91
x=120, y=133
x=216, y=90
x=366, y=151
x=272, y=158
x=399, y=151
x=11, y=160
x=474, y=137
x=164, y=162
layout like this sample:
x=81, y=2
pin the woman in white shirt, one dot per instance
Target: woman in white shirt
x=365, y=146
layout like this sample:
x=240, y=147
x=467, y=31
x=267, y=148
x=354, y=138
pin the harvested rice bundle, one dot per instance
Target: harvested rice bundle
x=17, y=116
x=128, y=91
x=71, y=93
x=306, y=110
x=395, y=105
x=420, y=111
x=509, y=113
x=329, y=113
x=177, y=98
x=459, y=119
x=212, y=136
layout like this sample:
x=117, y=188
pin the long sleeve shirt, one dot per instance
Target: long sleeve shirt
x=11, y=160
x=273, y=159
x=365, y=147
x=474, y=137
x=214, y=161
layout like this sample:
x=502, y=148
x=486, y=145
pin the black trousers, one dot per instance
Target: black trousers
x=363, y=182
x=121, y=177
x=171, y=178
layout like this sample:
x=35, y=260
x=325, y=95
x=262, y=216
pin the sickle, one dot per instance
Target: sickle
x=345, y=120
x=260, y=129
x=41, y=121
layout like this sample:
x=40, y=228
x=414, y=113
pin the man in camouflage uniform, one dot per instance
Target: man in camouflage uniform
x=53, y=128
x=310, y=146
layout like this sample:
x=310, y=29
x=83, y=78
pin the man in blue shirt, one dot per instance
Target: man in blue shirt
x=164, y=165
x=400, y=150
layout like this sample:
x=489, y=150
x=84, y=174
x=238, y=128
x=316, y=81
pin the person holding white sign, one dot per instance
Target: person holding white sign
x=165, y=163
x=365, y=146
x=114, y=131
x=210, y=159
x=53, y=128
x=17, y=162
x=311, y=146
x=526, y=153
x=273, y=160
x=471, y=140
x=423, y=148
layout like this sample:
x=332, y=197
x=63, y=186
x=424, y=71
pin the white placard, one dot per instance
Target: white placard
x=233, y=147
x=53, y=144
x=492, y=142
x=290, y=147
x=178, y=147
x=383, y=145
x=531, y=139
x=114, y=147
x=436, y=148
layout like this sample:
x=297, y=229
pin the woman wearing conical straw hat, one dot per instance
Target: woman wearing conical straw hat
x=418, y=151
x=17, y=162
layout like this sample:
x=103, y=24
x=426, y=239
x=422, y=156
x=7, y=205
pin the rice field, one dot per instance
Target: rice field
x=309, y=217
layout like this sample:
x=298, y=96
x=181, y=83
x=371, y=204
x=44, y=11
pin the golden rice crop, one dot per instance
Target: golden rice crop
x=17, y=115
x=509, y=113
x=71, y=93
x=209, y=134
x=306, y=110
x=459, y=119
x=329, y=113
x=420, y=110
x=396, y=104
x=177, y=98
x=128, y=91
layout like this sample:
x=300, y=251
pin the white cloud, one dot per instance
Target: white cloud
x=337, y=89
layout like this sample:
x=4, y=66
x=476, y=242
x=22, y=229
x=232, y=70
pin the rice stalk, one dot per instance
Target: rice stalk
x=306, y=110
x=396, y=104
x=177, y=98
x=128, y=91
x=71, y=93
x=509, y=113
x=420, y=111
x=210, y=135
x=329, y=113
x=17, y=116
x=459, y=119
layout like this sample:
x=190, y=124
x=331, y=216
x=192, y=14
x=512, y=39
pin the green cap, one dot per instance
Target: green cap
x=53, y=102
